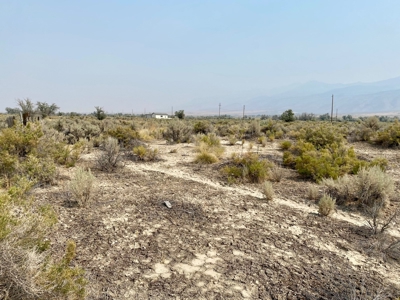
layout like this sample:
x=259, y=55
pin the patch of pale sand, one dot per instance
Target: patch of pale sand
x=197, y=262
x=186, y=269
x=212, y=260
x=200, y=284
x=354, y=257
x=212, y=273
x=238, y=253
x=295, y=230
x=160, y=268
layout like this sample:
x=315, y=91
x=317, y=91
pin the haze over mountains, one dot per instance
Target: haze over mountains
x=312, y=97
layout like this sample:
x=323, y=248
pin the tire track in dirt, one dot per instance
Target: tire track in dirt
x=307, y=209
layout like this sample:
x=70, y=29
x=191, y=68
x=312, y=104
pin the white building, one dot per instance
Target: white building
x=158, y=116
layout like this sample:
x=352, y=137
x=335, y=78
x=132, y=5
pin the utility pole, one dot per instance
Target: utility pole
x=244, y=106
x=336, y=114
x=332, y=111
x=172, y=111
x=219, y=111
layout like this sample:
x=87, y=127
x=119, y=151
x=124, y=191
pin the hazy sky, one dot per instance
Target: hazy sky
x=152, y=55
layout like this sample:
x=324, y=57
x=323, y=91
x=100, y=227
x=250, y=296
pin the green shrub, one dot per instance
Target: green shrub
x=247, y=167
x=326, y=205
x=144, y=153
x=125, y=135
x=203, y=127
x=331, y=162
x=42, y=171
x=205, y=157
x=323, y=136
x=209, y=148
x=65, y=281
x=67, y=155
x=8, y=167
x=389, y=136
x=26, y=267
x=210, y=139
x=20, y=140
x=81, y=186
x=285, y=145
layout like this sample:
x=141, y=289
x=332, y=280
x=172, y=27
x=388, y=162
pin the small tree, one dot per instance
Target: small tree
x=287, y=116
x=325, y=117
x=46, y=110
x=180, y=114
x=13, y=111
x=27, y=108
x=99, y=113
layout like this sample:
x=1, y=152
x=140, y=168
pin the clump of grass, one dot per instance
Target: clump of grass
x=247, y=167
x=144, y=153
x=276, y=174
x=232, y=140
x=285, y=145
x=268, y=190
x=209, y=148
x=312, y=192
x=262, y=140
x=81, y=186
x=326, y=205
x=368, y=187
x=206, y=158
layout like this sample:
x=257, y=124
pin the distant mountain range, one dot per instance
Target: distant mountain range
x=314, y=97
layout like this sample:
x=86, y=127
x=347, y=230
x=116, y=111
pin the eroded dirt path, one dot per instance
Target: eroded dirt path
x=216, y=242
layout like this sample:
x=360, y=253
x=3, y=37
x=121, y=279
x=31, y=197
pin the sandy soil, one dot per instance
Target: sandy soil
x=218, y=241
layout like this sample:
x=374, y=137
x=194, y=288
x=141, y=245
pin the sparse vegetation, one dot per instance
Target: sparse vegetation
x=312, y=192
x=144, y=153
x=110, y=158
x=369, y=187
x=33, y=161
x=268, y=190
x=326, y=205
x=248, y=167
x=81, y=186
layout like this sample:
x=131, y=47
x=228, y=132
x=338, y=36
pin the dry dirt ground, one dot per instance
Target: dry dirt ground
x=218, y=241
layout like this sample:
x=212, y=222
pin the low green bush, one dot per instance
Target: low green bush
x=248, y=167
x=205, y=157
x=203, y=127
x=125, y=135
x=389, y=136
x=144, y=153
x=330, y=162
x=326, y=205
